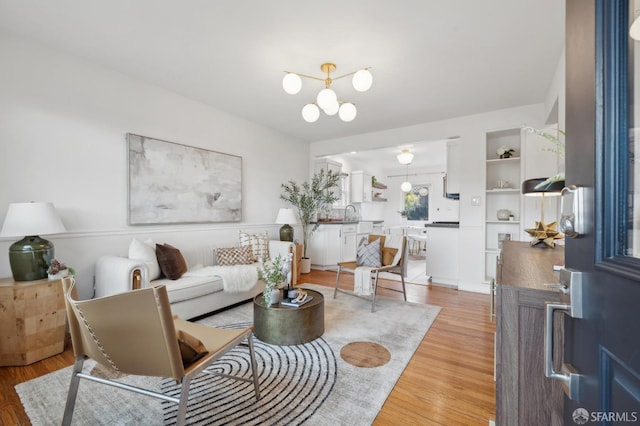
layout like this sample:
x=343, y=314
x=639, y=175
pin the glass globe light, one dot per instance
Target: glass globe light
x=332, y=109
x=326, y=97
x=406, y=186
x=310, y=113
x=423, y=191
x=347, y=111
x=362, y=80
x=292, y=83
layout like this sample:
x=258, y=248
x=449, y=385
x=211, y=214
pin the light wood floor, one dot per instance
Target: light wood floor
x=449, y=380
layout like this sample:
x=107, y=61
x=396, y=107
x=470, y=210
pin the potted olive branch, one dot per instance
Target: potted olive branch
x=308, y=198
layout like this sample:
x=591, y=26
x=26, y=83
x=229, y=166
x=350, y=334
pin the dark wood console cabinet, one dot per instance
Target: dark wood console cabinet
x=524, y=396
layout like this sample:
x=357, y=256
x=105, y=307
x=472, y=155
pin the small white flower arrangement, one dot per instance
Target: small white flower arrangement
x=504, y=152
x=58, y=269
x=272, y=273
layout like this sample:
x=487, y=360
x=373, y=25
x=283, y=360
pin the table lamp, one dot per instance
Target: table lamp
x=286, y=217
x=30, y=257
x=543, y=232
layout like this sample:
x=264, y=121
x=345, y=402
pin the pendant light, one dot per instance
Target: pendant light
x=406, y=185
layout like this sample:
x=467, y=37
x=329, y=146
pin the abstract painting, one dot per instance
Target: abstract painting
x=173, y=183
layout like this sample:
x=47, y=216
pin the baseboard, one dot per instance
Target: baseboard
x=474, y=287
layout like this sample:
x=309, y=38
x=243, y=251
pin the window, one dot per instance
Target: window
x=416, y=203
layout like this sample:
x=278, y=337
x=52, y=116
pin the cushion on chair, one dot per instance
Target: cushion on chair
x=259, y=244
x=191, y=348
x=388, y=254
x=171, y=261
x=369, y=254
x=234, y=255
x=147, y=253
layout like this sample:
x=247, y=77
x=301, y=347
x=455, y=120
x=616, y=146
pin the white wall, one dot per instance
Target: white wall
x=471, y=130
x=63, y=125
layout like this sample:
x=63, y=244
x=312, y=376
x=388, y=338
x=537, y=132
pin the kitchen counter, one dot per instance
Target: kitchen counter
x=335, y=222
x=442, y=225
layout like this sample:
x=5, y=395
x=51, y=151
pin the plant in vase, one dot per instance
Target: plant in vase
x=58, y=269
x=309, y=198
x=558, y=148
x=504, y=152
x=272, y=273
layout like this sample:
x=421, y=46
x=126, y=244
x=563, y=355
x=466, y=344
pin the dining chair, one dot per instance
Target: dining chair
x=400, y=268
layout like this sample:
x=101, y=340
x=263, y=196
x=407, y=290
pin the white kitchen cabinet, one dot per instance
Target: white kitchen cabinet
x=443, y=255
x=331, y=244
x=454, y=166
x=349, y=242
x=325, y=246
x=361, y=189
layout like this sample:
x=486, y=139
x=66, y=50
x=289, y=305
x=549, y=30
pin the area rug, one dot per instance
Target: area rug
x=301, y=384
x=416, y=272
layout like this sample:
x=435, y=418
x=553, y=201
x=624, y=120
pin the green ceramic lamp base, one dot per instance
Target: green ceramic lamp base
x=286, y=233
x=30, y=258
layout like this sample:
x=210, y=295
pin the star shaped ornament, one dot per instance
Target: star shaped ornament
x=544, y=233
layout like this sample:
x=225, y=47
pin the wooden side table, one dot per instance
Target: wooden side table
x=297, y=258
x=32, y=320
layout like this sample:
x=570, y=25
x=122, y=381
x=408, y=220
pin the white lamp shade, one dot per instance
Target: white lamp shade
x=347, y=111
x=29, y=219
x=325, y=98
x=362, y=80
x=292, y=83
x=405, y=157
x=286, y=217
x=634, y=31
x=310, y=113
x=406, y=186
x=332, y=109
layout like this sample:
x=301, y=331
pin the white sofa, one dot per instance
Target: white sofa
x=192, y=295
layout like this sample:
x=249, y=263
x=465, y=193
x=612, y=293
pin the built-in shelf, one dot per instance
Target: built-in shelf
x=379, y=185
x=503, y=160
x=503, y=190
x=503, y=222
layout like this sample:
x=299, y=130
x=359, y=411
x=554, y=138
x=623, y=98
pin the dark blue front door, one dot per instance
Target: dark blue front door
x=602, y=113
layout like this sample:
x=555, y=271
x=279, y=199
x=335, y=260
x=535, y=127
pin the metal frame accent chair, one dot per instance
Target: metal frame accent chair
x=399, y=268
x=135, y=333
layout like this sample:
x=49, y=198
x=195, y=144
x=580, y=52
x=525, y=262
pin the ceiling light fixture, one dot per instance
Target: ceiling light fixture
x=327, y=100
x=405, y=157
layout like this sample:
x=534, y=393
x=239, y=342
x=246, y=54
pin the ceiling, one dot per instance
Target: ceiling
x=430, y=59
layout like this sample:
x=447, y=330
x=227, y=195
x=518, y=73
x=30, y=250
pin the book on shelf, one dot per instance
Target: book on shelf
x=290, y=302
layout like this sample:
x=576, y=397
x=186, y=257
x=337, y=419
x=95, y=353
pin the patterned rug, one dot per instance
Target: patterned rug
x=302, y=384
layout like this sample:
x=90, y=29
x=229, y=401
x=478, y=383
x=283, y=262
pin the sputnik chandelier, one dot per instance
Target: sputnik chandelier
x=327, y=100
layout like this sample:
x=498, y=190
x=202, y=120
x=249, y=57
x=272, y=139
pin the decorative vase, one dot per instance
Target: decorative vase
x=305, y=265
x=503, y=214
x=62, y=274
x=271, y=297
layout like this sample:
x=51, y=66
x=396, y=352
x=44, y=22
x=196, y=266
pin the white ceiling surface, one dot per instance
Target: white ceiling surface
x=430, y=59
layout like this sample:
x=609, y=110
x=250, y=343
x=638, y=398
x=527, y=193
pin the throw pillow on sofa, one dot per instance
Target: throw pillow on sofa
x=234, y=256
x=146, y=252
x=171, y=261
x=259, y=244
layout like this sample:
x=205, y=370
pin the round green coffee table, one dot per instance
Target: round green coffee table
x=285, y=325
